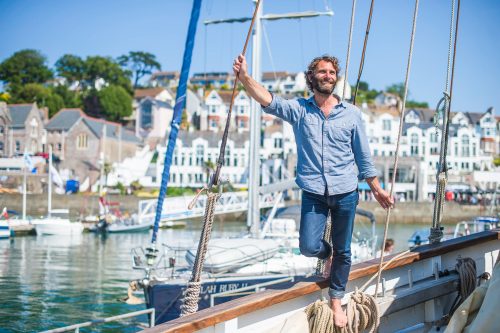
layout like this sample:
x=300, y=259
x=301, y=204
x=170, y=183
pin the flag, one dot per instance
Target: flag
x=5, y=214
x=56, y=178
x=28, y=162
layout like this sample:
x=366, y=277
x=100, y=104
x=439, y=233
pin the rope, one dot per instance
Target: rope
x=362, y=62
x=192, y=293
x=327, y=236
x=396, y=159
x=353, y=12
x=467, y=282
x=436, y=231
x=362, y=315
x=191, y=296
x=220, y=161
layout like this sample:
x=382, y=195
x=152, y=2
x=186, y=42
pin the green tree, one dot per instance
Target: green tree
x=72, y=99
x=72, y=68
x=115, y=102
x=140, y=63
x=415, y=104
x=43, y=96
x=363, y=86
x=397, y=89
x=23, y=67
x=97, y=67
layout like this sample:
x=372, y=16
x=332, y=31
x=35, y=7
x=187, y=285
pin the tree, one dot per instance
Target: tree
x=115, y=102
x=23, y=67
x=43, y=96
x=105, y=68
x=397, y=89
x=140, y=63
x=72, y=68
x=72, y=99
x=363, y=86
x=415, y=104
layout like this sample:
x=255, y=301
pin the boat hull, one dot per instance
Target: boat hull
x=166, y=298
x=57, y=227
x=4, y=230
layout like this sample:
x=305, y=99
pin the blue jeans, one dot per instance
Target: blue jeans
x=314, y=213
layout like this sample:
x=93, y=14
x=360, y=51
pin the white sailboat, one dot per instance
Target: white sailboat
x=57, y=221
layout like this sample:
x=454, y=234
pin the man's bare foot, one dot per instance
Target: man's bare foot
x=339, y=316
x=327, y=270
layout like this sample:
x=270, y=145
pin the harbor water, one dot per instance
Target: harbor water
x=48, y=282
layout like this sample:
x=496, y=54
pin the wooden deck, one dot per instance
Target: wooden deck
x=232, y=309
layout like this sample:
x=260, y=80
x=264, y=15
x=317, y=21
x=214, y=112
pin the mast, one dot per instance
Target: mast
x=253, y=217
x=180, y=102
x=49, y=204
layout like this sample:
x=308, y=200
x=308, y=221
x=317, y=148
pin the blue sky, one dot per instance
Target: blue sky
x=114, y=27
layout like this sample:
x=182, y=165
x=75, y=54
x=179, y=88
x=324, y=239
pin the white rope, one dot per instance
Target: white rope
x=396, y=159
x=353, y=12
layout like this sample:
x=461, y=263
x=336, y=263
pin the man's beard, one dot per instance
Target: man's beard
x=325, y=87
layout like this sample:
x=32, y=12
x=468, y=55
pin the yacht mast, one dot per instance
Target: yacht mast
x=253, y=217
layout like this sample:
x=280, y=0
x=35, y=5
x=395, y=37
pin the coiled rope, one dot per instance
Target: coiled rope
x=467, y=282
x=192, y=293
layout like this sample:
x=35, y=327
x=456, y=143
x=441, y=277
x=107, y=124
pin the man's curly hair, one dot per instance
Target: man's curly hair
x=312, y=67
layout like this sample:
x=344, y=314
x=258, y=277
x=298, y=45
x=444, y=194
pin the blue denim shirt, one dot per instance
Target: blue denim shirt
x=328, y=149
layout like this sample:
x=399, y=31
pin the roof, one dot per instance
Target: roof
x=169, y=74
x=266, y=76
x=19, y=113
x=226, y=96
x=149, y=92
x=474, y=117
x=64, y=119
x=426, y=125
x=213, y=138
x=112, y=129
x=425, y=115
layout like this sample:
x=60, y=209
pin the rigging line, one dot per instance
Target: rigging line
x=452, y=76
x=363, y=53
x=396, y=158
x=220, y=162
x=268, y=45
x=353, y=12
x=436, y=232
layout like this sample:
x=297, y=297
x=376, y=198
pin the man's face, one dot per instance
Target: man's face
x=324, y=78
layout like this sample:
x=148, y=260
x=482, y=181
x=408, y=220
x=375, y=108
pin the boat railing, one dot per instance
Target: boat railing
x=76, y=327
x=256, y=288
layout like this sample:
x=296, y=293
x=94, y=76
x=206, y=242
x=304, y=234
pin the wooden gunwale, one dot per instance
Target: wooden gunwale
x=232, y=309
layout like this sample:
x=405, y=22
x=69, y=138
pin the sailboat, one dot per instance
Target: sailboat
x=57, y=221
x=268, y=256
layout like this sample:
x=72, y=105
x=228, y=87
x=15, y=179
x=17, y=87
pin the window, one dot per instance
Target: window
x=474, y=149
x=227, y=156
x=433, y=137
x=1, y=130
x=1, y=146
x=147, y=115
x=386, y=139
x=213, y=123
x=456, y=149
x=386, y=124
x=200, y=152
x=82, y=141
x=278, y=143
x=414, y=144
x=18, y=146
x=465, y=145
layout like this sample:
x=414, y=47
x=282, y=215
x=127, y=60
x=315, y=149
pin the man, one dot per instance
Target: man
x=330, y=140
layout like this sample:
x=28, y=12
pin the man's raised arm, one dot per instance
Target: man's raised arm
x=252, y=87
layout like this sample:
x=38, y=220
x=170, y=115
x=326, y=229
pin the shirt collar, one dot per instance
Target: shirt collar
x=341, y=104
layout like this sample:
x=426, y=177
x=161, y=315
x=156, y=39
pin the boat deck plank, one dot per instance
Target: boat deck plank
x=232, y=309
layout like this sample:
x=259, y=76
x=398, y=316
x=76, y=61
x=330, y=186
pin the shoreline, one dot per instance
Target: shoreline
x=81, y=205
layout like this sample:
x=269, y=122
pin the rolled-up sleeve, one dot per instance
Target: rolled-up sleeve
x=361, y=151
x=286, y=109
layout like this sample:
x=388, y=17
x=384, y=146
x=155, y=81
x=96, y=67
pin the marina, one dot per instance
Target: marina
x=250, y=201
x=55, y=281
